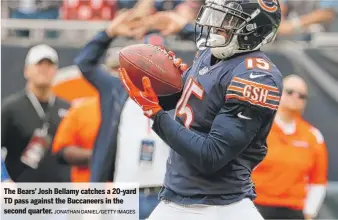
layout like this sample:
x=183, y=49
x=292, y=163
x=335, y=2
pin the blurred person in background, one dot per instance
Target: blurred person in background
x=76, y=134
x=143, y=8
x=34, y=9
x=126, y=148
x=75, y=137
x=304, y=17
x=30, y=119
x=291, y=180
x=180, y=21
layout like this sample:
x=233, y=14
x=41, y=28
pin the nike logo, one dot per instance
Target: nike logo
x=253, y=76
x=240, y=115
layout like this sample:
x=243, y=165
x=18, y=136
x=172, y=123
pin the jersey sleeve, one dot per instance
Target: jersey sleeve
x=318, y=173
x=67, y=130
x=254, y=88
x=229, y=135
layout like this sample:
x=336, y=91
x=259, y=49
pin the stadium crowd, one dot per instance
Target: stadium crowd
x=52, y=140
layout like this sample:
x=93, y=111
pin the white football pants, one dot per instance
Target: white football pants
x=242, y=210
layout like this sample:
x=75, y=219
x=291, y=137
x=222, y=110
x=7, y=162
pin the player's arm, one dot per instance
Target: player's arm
x=325, y=13
x=88, y=62
x=229, y=136
x=89, y=56
x=65, y=142
x=234, y=127
x=317, y=178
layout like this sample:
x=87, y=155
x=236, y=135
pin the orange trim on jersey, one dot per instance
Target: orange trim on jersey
x=274, y=98
x=262, y=86
x=257, y=63
x=235, y=88
x=230, y=96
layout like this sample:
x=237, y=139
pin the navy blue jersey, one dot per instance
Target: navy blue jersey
x=223, y=117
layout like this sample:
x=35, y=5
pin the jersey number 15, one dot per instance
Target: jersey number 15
x=183, y=109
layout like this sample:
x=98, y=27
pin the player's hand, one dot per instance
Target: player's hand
x=178, y=62
x=146, y=99
x=120, y=25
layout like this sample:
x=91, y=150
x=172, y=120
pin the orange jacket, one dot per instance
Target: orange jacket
x=79, y=128
x=292, y=163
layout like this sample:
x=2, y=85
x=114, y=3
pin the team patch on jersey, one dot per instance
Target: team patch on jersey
x=255, y=93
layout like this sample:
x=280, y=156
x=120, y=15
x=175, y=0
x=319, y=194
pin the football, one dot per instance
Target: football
x=154, y=62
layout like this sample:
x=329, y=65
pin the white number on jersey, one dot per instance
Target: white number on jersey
x=183, y=109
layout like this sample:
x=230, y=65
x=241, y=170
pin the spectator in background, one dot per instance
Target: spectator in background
x=75, y=137
x=34, y=9
x=143, y=8
x=126, y=148
x=180, y=21
x=291, y=180
x=304, y=17
x=30, y=119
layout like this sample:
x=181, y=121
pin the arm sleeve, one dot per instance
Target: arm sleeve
x=88, y=63
x=67, y=131
x=229, y=136
x=318, y=176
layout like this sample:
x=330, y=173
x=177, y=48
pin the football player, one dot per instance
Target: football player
x=223, y=115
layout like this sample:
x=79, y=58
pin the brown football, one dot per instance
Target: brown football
x=154, y=62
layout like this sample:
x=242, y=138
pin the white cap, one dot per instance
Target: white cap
x=40, y=52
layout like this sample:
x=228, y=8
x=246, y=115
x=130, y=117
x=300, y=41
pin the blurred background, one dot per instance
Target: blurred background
x=67, y=25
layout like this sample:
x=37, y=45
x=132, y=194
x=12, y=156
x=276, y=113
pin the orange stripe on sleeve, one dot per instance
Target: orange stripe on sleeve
x=244, y=81
x=235, y=88
x=274, y=98
x=233, y=96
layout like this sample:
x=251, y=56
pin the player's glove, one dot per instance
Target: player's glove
x=178, y=62
x=146, y=99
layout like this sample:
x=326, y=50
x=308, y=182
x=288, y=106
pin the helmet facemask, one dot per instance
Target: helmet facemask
x=221, y=21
